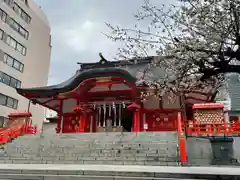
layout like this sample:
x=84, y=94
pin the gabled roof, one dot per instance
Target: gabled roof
x=75, y=80
x=128, y=71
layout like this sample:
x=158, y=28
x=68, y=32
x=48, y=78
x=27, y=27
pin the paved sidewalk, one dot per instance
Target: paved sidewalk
x=44, y=168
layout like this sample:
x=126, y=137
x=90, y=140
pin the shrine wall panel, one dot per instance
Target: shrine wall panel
x=170, y=101
x=160, y=121
x=68, y=104
x=151, y=102
x=71, y=123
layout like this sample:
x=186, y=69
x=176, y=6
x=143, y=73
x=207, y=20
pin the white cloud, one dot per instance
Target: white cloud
x=86, y=37
x=80, y=38
x=53, y=81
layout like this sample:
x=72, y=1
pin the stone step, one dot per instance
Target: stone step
x=113, y=158
x=131, y=148
x=88, y=153
x=94, y=162
x=76, y=148
x=167, y=154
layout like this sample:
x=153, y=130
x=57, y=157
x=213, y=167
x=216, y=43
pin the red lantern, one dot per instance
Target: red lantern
x=133, y=106
x=77, y=109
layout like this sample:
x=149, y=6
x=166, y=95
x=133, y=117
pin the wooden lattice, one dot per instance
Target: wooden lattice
x=209, y=116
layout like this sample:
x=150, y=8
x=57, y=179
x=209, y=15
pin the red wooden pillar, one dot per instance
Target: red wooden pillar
x=83, y=122
x=136, y=121
x=181, y=137
x=136, y=116
x=60, y=117
x=88, y=122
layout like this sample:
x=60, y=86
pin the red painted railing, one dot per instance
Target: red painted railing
x=194, y=128
x=31, y=130
x=15, y=129
x=181, y=140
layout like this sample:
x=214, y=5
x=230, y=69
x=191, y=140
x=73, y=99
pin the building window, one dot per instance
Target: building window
x=13, y=24
x=6, y=79
x=1, y=34
x=3, y=99
x=8, y=2
x=25, y=1
x=21, y=12
x=10, y=81
x=12, y=62
x=11, y=42
x=8, y=101
x=3, y=15
x=17, y=27
x=16, y=45
x=2, y=121
x=50, y=41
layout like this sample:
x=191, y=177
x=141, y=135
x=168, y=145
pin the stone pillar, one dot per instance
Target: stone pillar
x=199, y=151
x=222, y=151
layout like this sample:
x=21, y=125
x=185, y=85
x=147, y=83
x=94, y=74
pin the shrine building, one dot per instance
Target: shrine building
x=105, y=95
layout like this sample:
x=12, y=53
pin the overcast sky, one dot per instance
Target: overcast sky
x=76, y=27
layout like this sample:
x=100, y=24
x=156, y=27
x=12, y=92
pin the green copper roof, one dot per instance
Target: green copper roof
x=233, y=81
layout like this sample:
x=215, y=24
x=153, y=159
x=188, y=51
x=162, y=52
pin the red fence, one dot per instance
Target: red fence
x=15, y=129
x=224, y=128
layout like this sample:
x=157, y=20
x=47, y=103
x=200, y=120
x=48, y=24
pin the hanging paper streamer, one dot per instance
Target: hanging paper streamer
x=109, y=110
x=123, y=104
x=114, y=114
x=99, y=115
x=120, y=114
x=104, y=115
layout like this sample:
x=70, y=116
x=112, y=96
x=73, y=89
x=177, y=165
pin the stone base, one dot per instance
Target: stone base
x=113, y=129
x=222, y=150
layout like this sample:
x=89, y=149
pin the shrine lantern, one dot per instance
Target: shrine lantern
x=77, y=109
x=208, y=113
x=133, y=107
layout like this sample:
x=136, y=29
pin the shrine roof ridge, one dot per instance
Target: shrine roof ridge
x=119, y=63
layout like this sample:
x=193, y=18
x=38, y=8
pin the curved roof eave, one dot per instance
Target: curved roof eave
x=75, y=80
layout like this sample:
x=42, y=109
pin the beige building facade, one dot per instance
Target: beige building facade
x=25, y=49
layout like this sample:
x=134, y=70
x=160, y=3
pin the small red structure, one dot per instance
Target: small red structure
x=208, y=119
x=18, y=123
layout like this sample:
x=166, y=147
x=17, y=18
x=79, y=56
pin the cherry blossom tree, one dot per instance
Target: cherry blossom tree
x=198, y=41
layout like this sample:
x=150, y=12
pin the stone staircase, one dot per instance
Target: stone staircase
x=157, y=148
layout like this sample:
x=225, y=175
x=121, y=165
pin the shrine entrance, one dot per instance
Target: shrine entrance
x=127, y=120
x=121, y=118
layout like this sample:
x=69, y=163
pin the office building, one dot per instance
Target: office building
x=25, y=48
